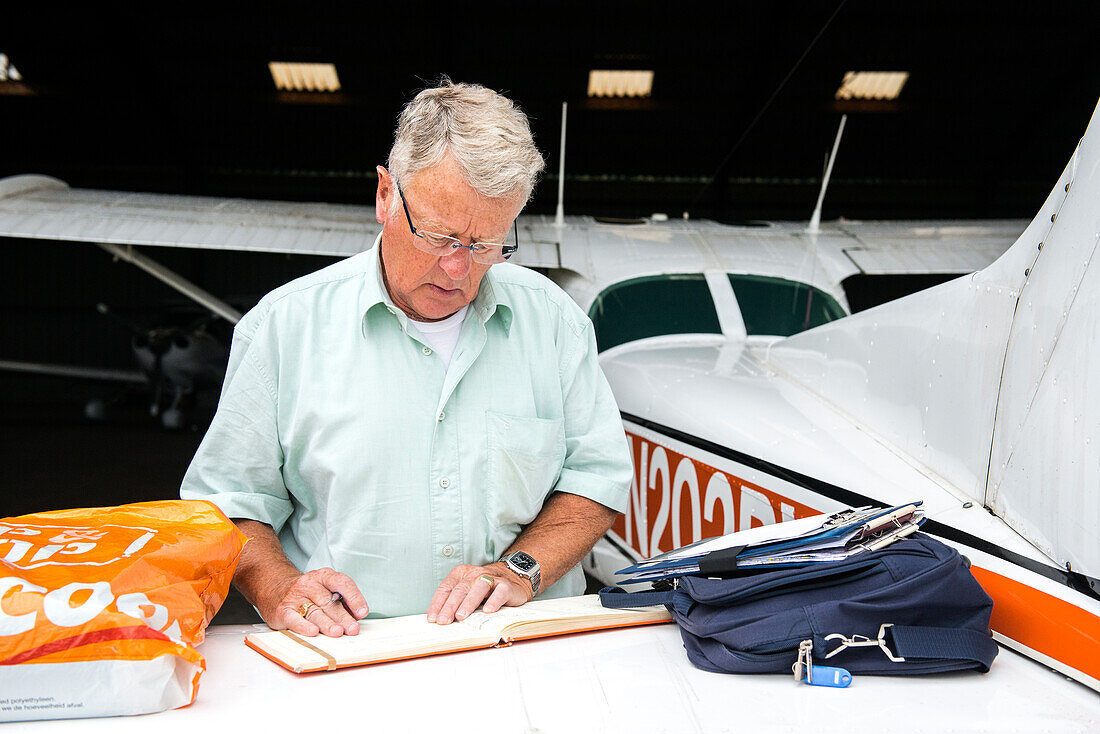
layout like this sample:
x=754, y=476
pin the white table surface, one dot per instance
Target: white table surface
x=629, y=680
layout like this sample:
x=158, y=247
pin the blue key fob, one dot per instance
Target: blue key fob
x=823, y=675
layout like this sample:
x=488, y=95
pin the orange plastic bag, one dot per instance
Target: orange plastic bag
x=100, y=608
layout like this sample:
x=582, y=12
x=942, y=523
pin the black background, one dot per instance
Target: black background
x=741, y=118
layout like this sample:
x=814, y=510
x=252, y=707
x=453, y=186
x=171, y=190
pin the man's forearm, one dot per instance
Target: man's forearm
x=263, y=572
x=322, y=600
x=563, y=533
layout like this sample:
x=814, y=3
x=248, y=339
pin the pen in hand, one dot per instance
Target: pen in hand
x=338, y=598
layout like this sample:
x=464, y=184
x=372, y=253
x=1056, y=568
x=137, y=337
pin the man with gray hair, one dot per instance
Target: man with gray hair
x=422, y=425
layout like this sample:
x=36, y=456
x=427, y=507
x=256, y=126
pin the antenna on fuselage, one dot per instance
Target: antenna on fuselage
x=815, y=220
x=559, y=217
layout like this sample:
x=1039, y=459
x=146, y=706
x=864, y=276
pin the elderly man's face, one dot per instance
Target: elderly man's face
x=425, y=287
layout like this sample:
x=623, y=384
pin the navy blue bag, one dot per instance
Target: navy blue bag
x=910, y=608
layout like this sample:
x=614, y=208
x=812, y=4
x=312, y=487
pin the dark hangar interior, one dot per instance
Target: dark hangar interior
x=742, y=111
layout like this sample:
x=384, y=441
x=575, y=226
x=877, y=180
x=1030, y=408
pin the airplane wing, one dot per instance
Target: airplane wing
x=41, y=207
x=926, y=247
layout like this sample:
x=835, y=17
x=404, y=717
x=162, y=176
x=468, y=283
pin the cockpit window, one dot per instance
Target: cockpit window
x=779, y=307
x=653, y=306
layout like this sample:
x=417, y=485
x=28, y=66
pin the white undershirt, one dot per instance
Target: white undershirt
x=442, y=336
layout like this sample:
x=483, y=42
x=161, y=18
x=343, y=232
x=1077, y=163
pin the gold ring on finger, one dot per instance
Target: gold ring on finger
x=487, y=579
x=304, y=609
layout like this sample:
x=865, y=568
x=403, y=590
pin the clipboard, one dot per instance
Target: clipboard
x=803, y=542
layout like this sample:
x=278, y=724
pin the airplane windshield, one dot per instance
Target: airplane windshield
x=778, y=307
x=653, y=306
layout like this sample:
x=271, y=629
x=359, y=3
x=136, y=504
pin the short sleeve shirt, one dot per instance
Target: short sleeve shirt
x=341, y=428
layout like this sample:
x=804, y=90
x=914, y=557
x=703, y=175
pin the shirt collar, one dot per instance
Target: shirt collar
x=492, y=300
x=373, y=296
x=373, y=293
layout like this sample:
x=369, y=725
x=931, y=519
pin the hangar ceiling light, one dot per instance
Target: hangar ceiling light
x=608, y=83
x=884, y=85
x=297, y=77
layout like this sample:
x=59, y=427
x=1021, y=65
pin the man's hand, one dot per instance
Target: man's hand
x=468, y=587
x=559, y=537
x=331, y=602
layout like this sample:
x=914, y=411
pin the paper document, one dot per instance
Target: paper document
x=816, y=539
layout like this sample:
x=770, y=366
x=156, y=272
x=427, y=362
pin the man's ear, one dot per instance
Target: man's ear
x=383, y=197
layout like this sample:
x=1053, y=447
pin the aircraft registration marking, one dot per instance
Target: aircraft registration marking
x=676, y=499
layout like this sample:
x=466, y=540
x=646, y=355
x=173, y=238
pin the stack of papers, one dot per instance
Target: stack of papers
x=794, y=543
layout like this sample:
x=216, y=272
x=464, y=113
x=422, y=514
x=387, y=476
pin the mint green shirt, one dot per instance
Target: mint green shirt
x=339, y=427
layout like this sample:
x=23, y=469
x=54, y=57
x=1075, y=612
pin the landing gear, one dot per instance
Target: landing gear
x=96, y=410
x=172, y=419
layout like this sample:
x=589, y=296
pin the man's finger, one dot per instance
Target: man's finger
x=502, y=592
x=443, y=591
x=353, y=599
x=328, y=626
x=315, y=610
x=479, y=589
x=458, y=595
x=295, y=622
x=335, y=610
x=439, y=598
x=341, y=600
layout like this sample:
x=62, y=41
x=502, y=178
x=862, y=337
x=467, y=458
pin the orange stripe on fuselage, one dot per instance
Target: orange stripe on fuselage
x=1049, y=625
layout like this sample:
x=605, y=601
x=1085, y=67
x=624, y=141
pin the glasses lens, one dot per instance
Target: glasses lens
x=436, y=244
x=488, y=254
x=496, y=252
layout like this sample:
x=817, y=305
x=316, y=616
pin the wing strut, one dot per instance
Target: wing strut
x=173, y=280
x=559, y=217
x=815, y=220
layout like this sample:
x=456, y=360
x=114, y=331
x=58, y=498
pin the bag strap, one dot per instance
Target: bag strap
x=953, y=643
x=615, y=598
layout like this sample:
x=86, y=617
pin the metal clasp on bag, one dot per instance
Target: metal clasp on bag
x=666, y=584
x=861, y=641
x=822, y=675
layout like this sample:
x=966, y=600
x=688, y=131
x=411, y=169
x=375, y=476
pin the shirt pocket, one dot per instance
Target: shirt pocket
x=525, y=458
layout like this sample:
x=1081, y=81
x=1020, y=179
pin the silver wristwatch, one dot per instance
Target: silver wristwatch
x=525, y=566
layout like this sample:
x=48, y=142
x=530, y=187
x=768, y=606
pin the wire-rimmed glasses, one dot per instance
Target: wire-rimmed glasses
x=439, y=245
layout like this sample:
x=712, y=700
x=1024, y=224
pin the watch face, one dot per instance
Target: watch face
x=523, y=562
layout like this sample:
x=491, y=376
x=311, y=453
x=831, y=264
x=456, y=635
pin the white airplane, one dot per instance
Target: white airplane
x=748, y=394
x=976, y=396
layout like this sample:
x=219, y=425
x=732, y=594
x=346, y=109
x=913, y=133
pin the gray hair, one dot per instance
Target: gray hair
x=486, y=133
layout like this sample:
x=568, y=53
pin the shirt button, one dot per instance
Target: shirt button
x=448, y=551
x=444, y=482
x=442, y=414
x=427, y=351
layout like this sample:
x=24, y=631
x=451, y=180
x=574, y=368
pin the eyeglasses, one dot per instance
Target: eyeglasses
x=486, y=253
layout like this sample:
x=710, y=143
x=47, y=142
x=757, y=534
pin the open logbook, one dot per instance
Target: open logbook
x=400, y=638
